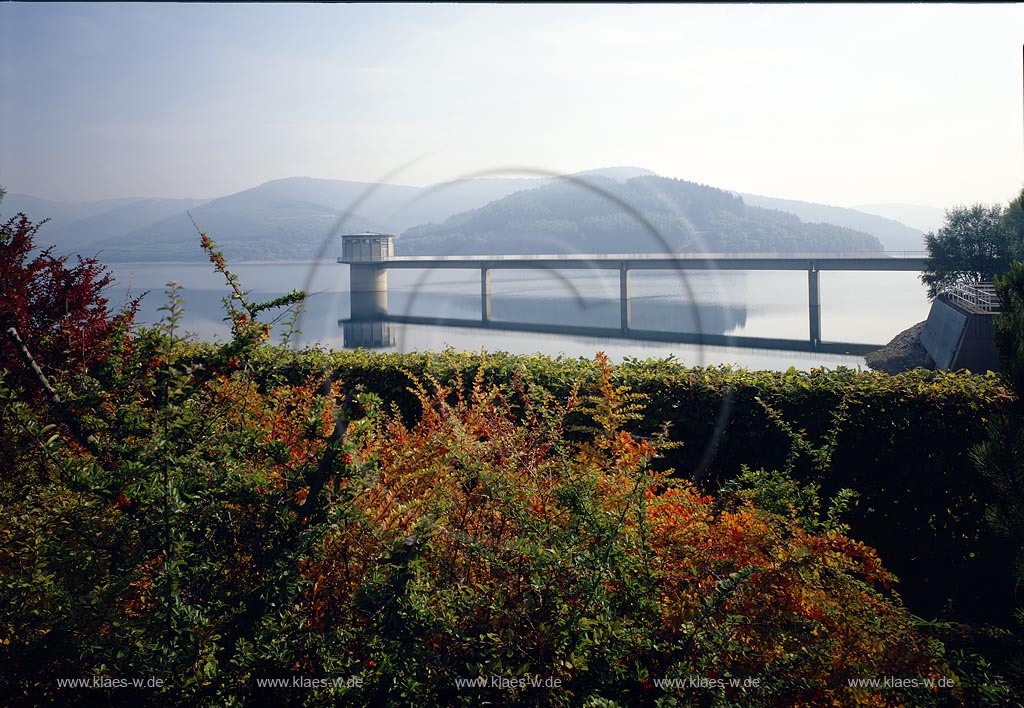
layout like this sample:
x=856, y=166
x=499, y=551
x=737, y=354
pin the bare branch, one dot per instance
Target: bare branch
x=73, y=423
x=26, y=358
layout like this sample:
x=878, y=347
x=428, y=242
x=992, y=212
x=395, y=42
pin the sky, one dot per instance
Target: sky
x=840, y=104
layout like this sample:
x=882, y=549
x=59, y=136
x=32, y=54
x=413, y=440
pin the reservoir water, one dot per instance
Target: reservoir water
x=857, y=307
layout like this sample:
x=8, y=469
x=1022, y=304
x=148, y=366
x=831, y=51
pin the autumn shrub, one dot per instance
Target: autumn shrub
x=509, y=552
x=58, y=310
x=904, y=446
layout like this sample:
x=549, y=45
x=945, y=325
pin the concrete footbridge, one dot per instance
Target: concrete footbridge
x=371, y=255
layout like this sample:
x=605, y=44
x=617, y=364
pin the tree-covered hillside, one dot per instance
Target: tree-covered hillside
x=643, y=215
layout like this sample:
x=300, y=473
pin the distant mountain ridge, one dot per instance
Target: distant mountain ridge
x=298, y=217
x=646, y=214
x=62, y=213
x=74, y=228
x=894, y=235
x=922, y=218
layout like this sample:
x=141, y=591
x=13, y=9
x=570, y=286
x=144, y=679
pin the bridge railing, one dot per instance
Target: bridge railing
x=650, y=256
x=979, y=297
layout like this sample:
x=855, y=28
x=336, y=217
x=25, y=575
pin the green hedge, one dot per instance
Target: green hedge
x=903, y=445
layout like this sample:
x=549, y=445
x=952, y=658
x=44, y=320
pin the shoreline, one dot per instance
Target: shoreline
x=903, y=353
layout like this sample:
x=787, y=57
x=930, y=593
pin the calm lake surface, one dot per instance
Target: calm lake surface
x=857, y=307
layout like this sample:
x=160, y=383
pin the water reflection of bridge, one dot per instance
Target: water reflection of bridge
x=370, y=257
x=377, y=332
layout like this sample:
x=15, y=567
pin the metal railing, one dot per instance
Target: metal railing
x=695, y=255
x=978, y=297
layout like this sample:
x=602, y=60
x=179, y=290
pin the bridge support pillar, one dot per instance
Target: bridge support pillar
x=814, y=301
x=485, y=293
x=369, y=289
x=625, y=303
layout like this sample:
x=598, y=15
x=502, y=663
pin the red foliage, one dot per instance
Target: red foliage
x=59, y=311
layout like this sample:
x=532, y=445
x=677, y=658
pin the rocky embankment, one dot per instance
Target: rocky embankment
x=903, y=353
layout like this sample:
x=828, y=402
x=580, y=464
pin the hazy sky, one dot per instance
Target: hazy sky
x=838, y=104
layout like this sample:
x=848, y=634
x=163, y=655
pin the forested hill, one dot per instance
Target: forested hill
x=572, y=217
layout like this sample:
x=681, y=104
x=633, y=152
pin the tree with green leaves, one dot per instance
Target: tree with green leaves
x=974, y=245
x=1001, y=457
x=1008, y=327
